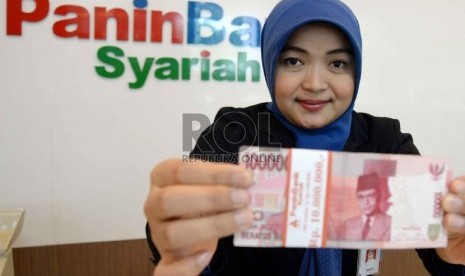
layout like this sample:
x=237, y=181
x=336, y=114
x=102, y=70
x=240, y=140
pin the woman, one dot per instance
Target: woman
x=311, y=54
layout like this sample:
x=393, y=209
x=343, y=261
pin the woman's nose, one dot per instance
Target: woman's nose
x=315, y=79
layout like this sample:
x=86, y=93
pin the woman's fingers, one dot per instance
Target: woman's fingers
x=454, y=223
x=454, y=203
x=177, y=234
x=454, y=206
x=175, y=171
x=190, y=206
x=189, y=266
x=182, y=200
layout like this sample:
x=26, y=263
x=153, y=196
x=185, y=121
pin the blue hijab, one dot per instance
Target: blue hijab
x=285, y=18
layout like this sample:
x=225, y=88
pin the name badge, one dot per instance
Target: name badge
x=368, y=261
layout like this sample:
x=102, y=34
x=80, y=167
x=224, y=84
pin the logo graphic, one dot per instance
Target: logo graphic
x=433, y=231
x=436, y=171
x=205, y=25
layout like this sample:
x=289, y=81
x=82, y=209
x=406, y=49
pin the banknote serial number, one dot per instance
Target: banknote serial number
x=437, y=210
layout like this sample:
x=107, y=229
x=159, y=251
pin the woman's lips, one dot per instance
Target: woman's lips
x=312, y=105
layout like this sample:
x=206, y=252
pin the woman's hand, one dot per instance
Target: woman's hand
x=190, y=206
x=454, y=221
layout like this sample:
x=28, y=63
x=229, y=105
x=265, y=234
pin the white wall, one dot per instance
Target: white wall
x=76, y=149
x=414, y=51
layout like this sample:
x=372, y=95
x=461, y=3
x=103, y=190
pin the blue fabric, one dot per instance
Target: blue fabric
x=323, y=262
x=285, y=18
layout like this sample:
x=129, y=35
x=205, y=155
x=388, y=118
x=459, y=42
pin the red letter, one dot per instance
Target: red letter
x=177, y=25
x=15, y=15
x=101, y=19
x=140, y=25
x=81, y=21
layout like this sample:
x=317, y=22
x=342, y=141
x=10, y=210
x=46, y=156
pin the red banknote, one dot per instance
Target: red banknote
x=315, y=198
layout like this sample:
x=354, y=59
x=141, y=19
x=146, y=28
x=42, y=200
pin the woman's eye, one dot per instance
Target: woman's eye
x=338, y=64
x=292, y=61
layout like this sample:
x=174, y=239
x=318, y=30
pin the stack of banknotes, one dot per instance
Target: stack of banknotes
x=316, y=198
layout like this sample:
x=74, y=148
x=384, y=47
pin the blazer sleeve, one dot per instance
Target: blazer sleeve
x=436, y=266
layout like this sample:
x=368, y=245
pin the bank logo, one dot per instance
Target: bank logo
x=205, y=25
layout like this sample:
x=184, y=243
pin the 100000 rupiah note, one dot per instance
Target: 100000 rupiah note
x=315, y=198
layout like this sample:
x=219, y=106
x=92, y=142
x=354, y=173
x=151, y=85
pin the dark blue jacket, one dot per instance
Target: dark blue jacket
x=255, y=125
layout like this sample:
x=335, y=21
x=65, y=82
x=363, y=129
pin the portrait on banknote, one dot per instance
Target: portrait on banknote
x=371, y=223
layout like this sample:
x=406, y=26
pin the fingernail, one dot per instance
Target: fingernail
x=241, y=178
x=457, y=222
x=239, y=197
x=243, y=218
x=203, y=259
x=453, y=203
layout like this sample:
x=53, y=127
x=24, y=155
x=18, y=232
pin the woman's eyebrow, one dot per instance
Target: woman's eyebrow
x=294, y=49
x=344, y=50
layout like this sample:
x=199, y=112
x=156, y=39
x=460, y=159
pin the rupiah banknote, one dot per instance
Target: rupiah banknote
x=316, y=198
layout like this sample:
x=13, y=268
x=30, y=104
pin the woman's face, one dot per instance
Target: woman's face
x=315, y=76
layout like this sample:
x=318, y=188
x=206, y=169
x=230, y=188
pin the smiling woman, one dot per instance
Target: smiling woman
x=312, y=61
x=315, y=76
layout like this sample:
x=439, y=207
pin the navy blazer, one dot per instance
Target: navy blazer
x=255, y=125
